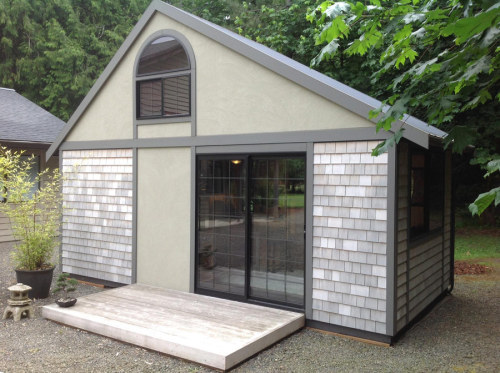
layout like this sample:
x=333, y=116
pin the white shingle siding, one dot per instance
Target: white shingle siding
x=350, y=235
x=97, y=220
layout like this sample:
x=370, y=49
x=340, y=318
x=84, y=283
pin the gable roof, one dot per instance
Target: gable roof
x=338, y=93
x=24, y=121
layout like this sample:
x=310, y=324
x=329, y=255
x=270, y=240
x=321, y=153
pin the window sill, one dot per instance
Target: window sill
x=164, y=120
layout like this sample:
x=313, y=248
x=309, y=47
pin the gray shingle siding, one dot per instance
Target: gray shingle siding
x=350, y=235
x=97, y=222
x=423, y=270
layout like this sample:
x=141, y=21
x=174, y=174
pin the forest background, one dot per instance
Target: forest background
x=52, y=51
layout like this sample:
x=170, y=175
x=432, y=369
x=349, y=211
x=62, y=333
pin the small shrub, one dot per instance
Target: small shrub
x=65, y=285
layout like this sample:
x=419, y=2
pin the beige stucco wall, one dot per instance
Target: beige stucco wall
x=163, y=217
x=233, y=95
x=164, y=130
x=110, y=115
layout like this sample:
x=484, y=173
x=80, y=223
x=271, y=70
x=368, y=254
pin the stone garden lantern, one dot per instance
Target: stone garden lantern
x=19, y=304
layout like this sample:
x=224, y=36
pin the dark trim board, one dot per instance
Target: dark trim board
x=135, y=181
x=420, y=316
x=392, y=241
x=22, y=144
x=376, y=336
x=344, y=134
x=309, y=229
x=258, y=302
x=247, y=149
x=349, y=331
x=93, y=280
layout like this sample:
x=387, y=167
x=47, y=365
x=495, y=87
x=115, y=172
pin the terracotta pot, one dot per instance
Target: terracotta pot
x=39, y=281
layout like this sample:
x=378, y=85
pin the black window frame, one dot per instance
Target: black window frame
x=426, y=230
x=246, y=297
x=162, y=76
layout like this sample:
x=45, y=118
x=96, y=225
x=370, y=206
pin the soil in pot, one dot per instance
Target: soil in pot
x=39, y=281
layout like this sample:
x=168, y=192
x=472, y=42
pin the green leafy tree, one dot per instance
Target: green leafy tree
x=438, y=60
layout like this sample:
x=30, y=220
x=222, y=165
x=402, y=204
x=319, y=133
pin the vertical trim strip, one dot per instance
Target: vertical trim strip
x=134, y=212
x=61, y=152
x=392, y=214
x=408, y=226
x=192, y=92
x=452, y=227
x=192, y=255
x=445, y=206
x=309, y=229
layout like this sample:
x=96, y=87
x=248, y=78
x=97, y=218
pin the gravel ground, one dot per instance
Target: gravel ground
x=462, y=334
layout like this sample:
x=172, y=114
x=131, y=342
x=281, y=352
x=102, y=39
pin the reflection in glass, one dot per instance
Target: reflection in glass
x=221, y=225
x=162, y=55
x=277, y=224
x=275, y=236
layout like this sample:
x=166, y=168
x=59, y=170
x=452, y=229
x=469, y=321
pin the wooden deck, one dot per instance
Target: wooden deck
x=215, y=332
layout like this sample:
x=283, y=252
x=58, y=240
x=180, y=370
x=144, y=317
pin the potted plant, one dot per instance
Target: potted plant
x=33, y=203
x=66, y=285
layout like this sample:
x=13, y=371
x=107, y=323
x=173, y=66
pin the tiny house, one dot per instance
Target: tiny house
x=204, y=162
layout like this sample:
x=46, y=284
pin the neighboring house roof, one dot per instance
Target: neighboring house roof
x=341, y=94
x=24, y=121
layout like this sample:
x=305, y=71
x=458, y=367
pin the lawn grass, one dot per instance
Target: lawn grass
x=292, y=200
x=473, y=244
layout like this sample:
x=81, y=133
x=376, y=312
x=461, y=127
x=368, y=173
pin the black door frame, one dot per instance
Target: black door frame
x=231, y=296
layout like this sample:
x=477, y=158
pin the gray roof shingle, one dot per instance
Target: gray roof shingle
x=24, y=121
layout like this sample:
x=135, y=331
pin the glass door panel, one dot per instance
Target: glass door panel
x=277, y=202
x=221, y=224
x=261, y=258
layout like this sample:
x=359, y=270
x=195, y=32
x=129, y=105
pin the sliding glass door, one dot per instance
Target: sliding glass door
x=277, y=229
x=250, y=228
x=221, y=241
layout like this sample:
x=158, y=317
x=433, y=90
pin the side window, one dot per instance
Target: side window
x=426, y=191
x=163, y=80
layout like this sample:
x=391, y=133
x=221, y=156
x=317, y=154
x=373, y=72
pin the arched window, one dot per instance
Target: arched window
x=163, y=80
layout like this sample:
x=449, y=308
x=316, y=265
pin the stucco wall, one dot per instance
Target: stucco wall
x=163, y=218
x=233, y=95
x=164, y=130
x=350, y=236
x=97, y=219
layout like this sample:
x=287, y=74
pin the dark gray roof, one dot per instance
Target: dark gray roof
x=24, y=121
x=341, y=94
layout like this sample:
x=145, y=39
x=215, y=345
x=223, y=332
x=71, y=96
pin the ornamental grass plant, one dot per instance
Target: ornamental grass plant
x=33, y=203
